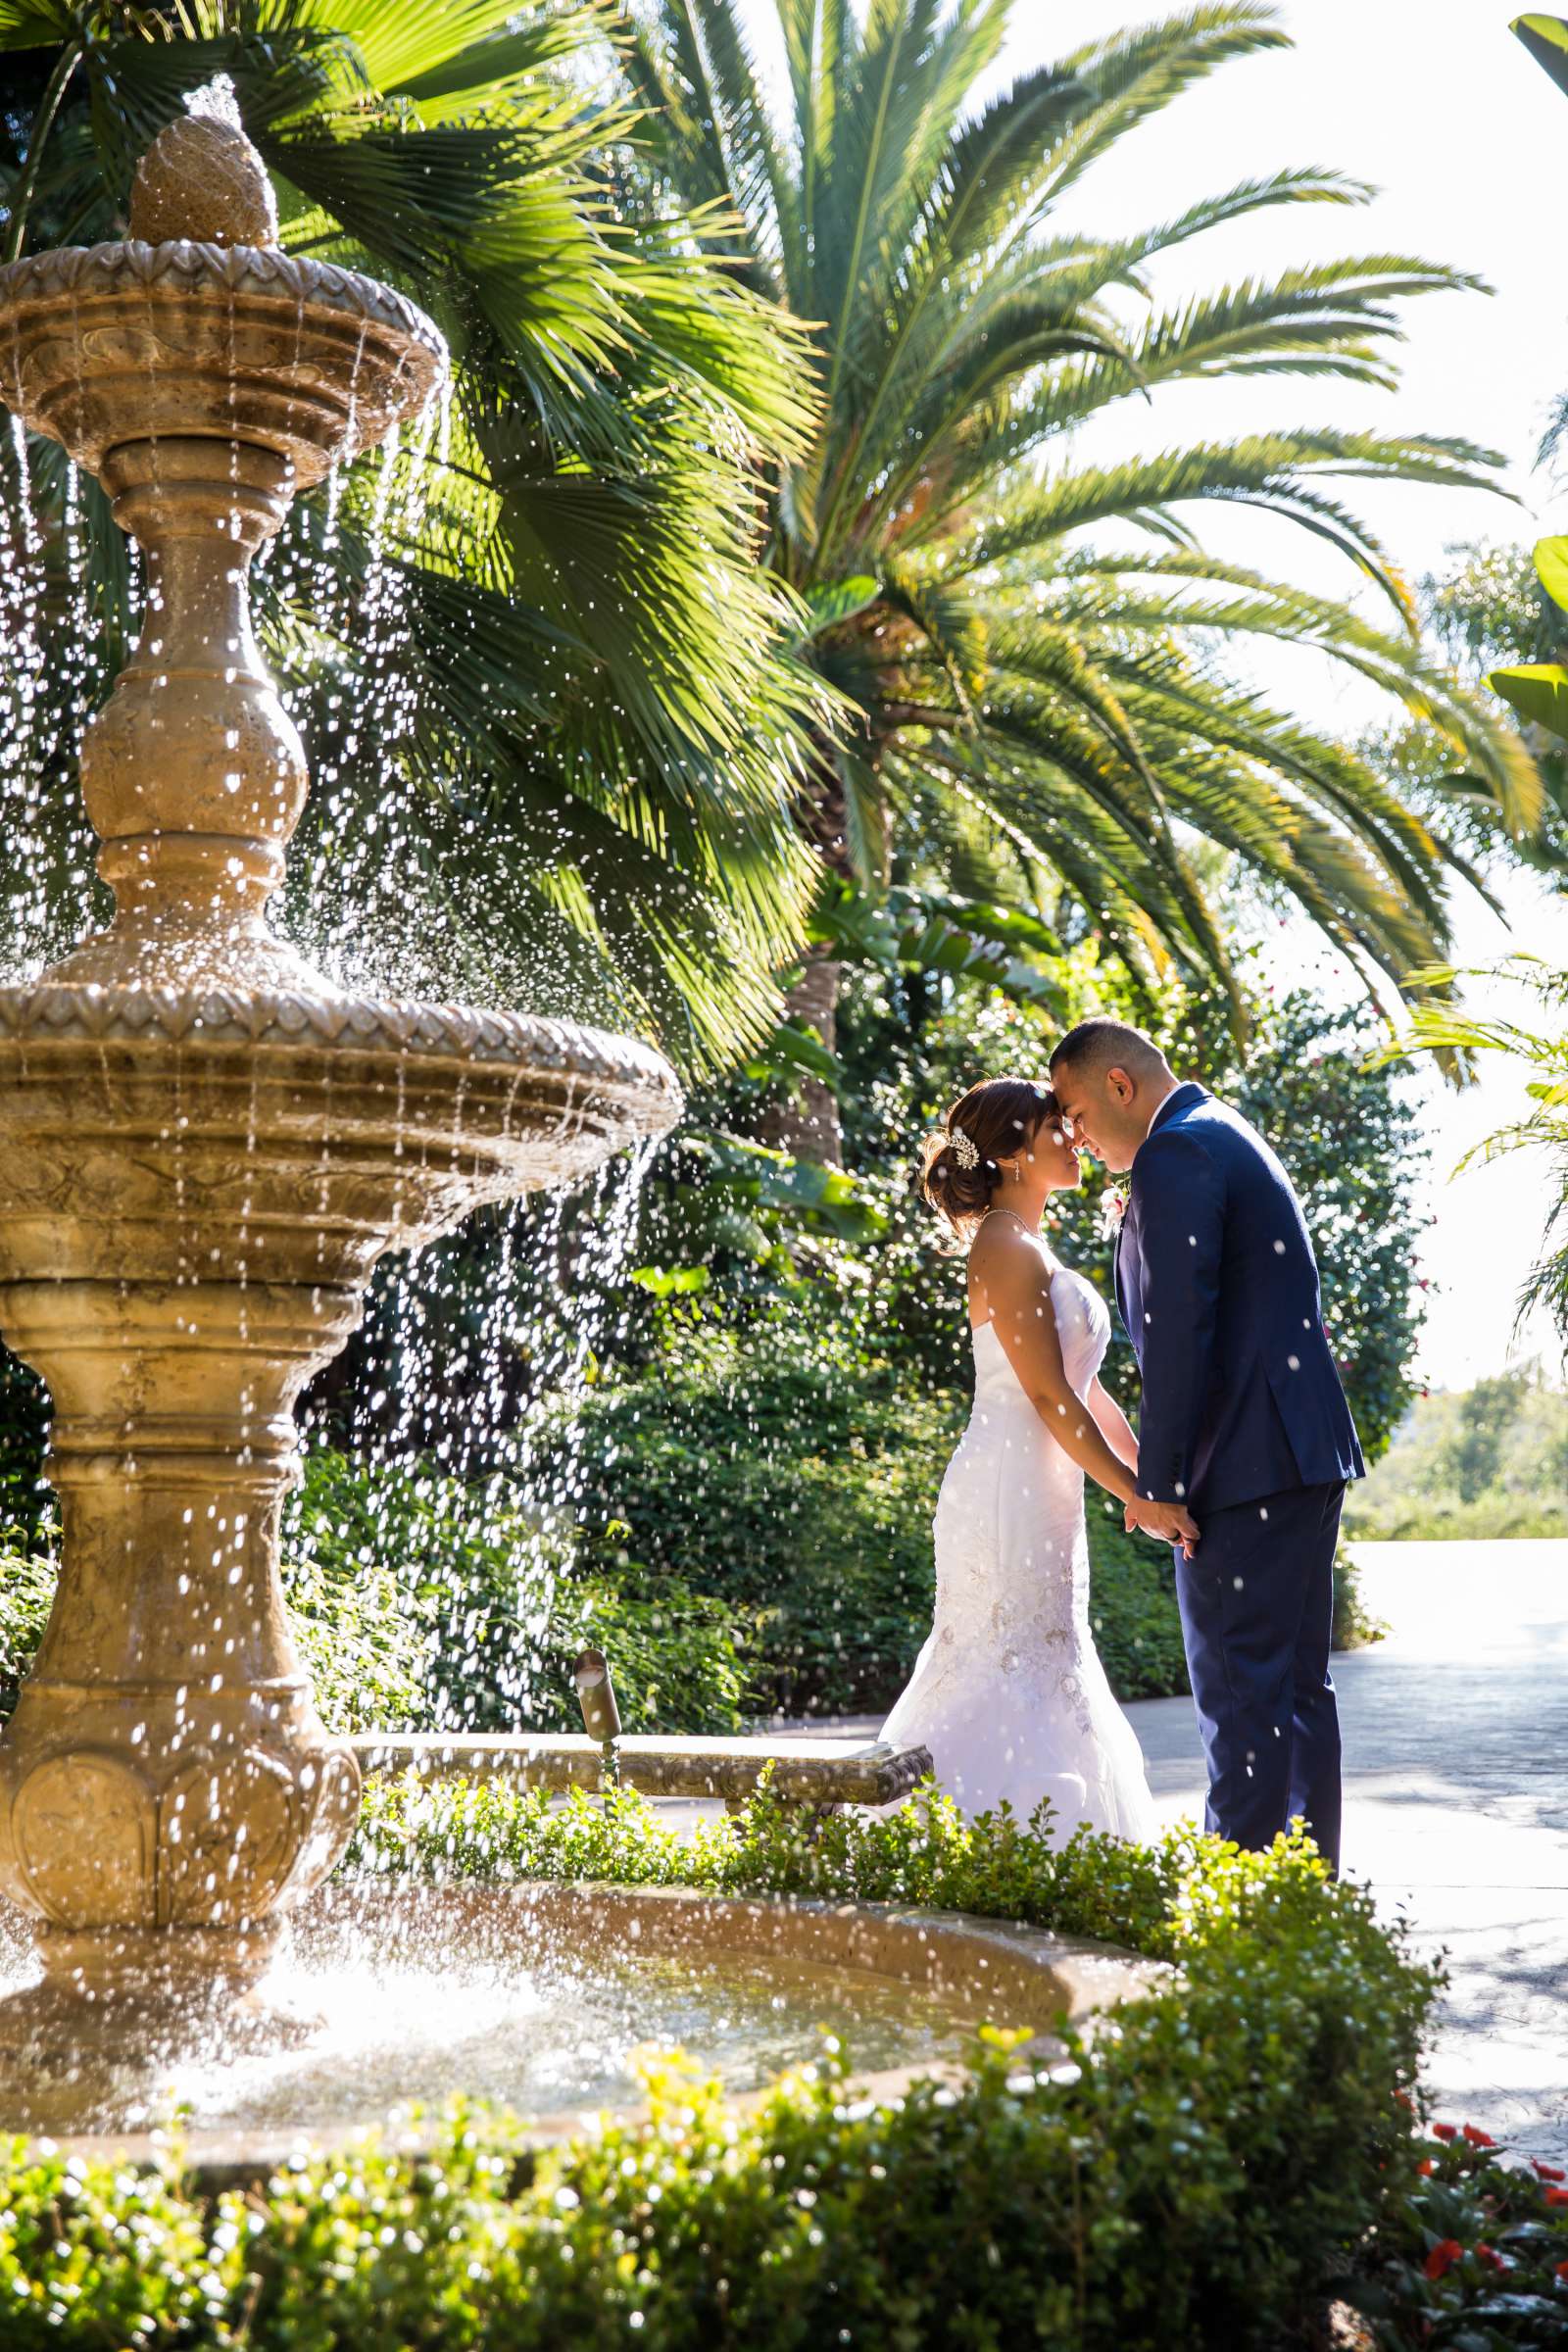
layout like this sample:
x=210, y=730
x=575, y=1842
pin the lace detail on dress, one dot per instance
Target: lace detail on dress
x=1008, y=1694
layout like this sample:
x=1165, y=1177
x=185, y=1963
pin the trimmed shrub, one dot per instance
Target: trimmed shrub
x=423, y=1602
x=26, y=1590
x=792, y=1483
x=1180, y=2181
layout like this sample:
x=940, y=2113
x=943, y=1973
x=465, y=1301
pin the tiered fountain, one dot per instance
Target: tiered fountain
x=204, y=1146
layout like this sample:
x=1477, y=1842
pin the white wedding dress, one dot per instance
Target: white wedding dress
x=1008, y=1692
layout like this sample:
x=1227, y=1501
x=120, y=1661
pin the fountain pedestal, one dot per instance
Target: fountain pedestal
x=205, y=1145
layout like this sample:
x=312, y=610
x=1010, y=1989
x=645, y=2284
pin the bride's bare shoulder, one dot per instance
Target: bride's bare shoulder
x=1006, y=1254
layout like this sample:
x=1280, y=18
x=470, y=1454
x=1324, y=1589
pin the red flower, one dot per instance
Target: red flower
x=1424, y=2167
x=1444, y=2131
x=1562, y=2272
x=1556, y=2196
x=1547, y=2172
x=1479, y=2139
x=1443, y=2257
x=1489, y=2256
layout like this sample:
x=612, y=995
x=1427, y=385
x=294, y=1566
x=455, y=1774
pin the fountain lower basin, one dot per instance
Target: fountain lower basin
x=195, y=1186
x=543, y=1997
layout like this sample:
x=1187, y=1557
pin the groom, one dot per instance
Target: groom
x=1244, y=1421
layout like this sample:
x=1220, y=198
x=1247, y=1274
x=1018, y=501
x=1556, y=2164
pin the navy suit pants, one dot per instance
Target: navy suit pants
x=1257, y=1611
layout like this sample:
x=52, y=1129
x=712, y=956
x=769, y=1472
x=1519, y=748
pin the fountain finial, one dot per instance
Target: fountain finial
x=203, y=180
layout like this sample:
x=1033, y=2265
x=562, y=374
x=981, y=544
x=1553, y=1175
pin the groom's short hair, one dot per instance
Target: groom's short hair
x=1098, y=1045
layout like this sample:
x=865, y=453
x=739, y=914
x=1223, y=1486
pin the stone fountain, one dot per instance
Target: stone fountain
x=205, y=1144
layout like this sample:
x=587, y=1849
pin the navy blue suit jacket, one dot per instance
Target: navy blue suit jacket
x=1218, y=1289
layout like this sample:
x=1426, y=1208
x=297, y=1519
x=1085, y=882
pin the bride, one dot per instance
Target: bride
x=1008, y=1692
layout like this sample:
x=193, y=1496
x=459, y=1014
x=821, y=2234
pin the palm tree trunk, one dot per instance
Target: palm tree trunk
x=808, y=1125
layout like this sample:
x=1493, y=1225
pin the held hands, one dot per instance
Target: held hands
x=1166, y=1522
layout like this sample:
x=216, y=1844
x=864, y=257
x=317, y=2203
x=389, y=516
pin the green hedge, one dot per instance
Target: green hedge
x=1182, y=2180
x=792, y=1483
x=425, y=1602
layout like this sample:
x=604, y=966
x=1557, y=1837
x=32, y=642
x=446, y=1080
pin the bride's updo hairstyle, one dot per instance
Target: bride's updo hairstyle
x=959, y=1172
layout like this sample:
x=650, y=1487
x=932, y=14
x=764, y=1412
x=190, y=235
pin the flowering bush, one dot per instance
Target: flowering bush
x=1474, y=2255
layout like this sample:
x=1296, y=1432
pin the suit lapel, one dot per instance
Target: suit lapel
x=1122, y=1269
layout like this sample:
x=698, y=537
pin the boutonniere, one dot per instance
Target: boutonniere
x=1112, y=1210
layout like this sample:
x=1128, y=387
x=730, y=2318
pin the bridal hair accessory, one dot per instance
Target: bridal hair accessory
x=965, y=1151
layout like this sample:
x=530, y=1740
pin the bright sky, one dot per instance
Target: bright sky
x=1438, y=104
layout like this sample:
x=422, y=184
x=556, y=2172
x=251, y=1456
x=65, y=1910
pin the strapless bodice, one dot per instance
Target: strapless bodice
x=1083, y=1328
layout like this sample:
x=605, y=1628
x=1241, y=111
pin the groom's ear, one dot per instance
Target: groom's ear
x=1122, y=1088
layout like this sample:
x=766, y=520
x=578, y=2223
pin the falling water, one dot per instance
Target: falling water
x=466, y=1397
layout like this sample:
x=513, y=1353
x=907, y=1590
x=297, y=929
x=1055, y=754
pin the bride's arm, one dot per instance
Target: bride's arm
x=1113, y=1425
x=1009, y=1275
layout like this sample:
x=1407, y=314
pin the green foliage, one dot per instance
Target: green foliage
x=1443, y=1027
x=1539, y=690
x=1490, y=1460
x=26, y=1505
x=1048, y=646
x=1546, y=39
x=1181, y=2179
x=424, y=1603
x=1488, y=609
x=26, y=1591
x=596, y=697
x=793, y=1482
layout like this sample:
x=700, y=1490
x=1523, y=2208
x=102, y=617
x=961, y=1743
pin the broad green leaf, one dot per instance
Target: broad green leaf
x=1538, y=691
x=1546, y=39
x=840, y=601
x=801, y=1189
x=1551, y=569
x=671, y=1283
x=792, y=1051
x=30, y=24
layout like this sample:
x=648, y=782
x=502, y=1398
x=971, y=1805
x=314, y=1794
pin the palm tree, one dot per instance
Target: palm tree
x=543, y=675
x=1446, y=1030
x=1031, y=640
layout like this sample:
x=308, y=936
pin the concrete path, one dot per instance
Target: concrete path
x=1456, y=1807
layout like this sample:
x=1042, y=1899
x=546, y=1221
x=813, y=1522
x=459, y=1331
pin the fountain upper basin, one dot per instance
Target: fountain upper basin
x=232, y=342
x=200, y=1132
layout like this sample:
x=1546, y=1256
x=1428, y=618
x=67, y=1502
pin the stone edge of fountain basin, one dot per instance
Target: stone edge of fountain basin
x=1041, y=1981
x=189, y=266
x=263, y=1017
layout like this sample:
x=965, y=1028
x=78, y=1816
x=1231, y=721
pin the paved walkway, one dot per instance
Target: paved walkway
x=1456, y=1807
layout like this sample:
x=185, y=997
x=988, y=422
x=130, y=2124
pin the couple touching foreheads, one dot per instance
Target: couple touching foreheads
x=1240, y=1461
